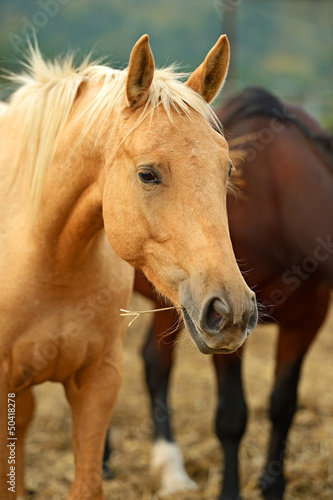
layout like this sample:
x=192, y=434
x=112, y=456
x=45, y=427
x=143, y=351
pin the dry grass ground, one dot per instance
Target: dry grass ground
x=310, y=460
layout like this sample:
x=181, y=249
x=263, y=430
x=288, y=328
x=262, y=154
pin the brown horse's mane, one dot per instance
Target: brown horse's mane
x=254, y=101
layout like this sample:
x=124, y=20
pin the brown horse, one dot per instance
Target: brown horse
x=281, y=229
x=91, y=157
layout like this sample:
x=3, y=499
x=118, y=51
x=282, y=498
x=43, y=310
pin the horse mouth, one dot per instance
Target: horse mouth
x=199, y=341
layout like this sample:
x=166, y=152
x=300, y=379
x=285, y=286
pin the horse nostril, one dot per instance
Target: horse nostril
x=215, y=314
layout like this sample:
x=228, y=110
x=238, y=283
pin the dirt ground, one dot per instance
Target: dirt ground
x=309, y=464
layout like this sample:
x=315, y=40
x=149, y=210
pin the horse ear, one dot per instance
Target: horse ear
x=208, y=78
x=140, y=73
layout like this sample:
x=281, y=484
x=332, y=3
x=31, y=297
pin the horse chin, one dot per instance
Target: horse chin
x=199, y=341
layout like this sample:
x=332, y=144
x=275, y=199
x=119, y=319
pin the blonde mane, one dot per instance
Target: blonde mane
x=47, y=93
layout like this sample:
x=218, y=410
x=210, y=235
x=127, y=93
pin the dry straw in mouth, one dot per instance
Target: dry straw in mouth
x=136, y=314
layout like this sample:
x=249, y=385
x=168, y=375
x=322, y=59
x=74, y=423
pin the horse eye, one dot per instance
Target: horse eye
x=148, y=177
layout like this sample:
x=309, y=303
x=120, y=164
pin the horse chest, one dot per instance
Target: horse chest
x=51, y=348
x=54, y=335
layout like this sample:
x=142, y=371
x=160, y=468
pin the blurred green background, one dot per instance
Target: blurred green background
x=284, y=45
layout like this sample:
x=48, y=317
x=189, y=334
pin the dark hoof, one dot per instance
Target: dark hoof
x=230, y=497
x=107, y=472
x=272, y=487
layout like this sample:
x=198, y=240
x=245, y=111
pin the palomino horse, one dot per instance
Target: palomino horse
x=102, y=170
x=281, y=229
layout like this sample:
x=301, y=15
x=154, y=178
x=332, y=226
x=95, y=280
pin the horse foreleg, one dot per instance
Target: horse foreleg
x=231, y=418
x=92, y=396
x=166, y=459
x=106, y=469
x=24, y=414
x=294, y=340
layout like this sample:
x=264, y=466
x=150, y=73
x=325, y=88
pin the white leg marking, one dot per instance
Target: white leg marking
x=167, y=462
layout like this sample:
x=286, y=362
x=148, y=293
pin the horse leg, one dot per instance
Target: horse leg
x=106, y=469
x=24, y=413
x=294, y=340
x=167, y=461
x=231, y=418
x=92, y=395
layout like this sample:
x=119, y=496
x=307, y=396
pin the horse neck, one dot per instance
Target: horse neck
x=318, y=137
x=292, y=182
x=69, y=216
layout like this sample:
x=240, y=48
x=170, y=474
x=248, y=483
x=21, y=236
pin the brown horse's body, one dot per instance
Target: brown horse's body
x=91, y=157
x=281, y=229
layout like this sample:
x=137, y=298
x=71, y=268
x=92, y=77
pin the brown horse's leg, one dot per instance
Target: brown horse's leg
x=92, y=396
x=158, y=357
x=106, y=469
x=231, y=417
x=294, y=340
x=24, y=414
x=167, y=461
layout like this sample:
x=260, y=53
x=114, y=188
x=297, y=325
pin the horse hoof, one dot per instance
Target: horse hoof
x=272, y=488
x=176, y=485
x=107, y=472
x=168, y=466
x=230, y=497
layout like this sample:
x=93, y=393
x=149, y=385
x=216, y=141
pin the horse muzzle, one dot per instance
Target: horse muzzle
x=220, y=326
